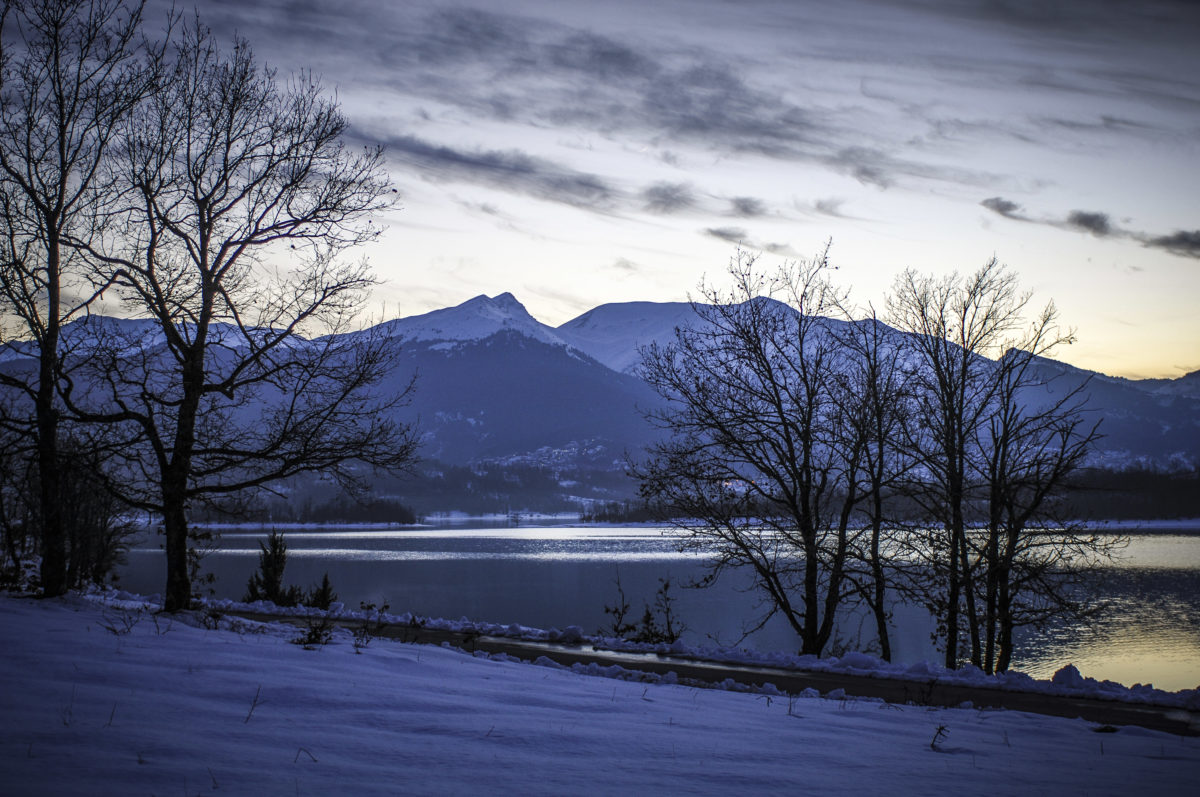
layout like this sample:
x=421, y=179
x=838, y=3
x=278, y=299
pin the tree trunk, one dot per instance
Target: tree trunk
x=991, y=597
x=1005, y=597
x=810, y=642
x=175, y=478
x=968, y=582
x=879, y=586
x=878, y=577
x=1005, y=642
x=955, y=530
x=178, y=594
x=961, y=586
x=54, y=541
x=837, y=571
x=989, y=642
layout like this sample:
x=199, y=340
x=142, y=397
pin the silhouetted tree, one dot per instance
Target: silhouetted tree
x=994, y=453
x=1036, y=438
x=267, y=583
x=322, y=596
x=237, y=381
x=71, y=73
x=873, y=400
x=97, y=534
x=845, y=461
x=753, y=471
x=954, y=323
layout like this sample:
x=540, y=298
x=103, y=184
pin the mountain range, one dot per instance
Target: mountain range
x=495, y=384
x=497, y=388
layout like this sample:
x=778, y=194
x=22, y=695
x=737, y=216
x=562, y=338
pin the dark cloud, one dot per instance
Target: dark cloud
x=747, y=206
x=1004, y=207
x=1097, y=224
x=739, y=236
x=622, y=264
x=710, y=103
x=533, y=70
x=1114, y=21
x=512, y=170
x=863, y=164
x=537, y=71
x=596, y=56
x=1094, y=222
x=1182, y=242
x=668, y=197
x=1062, y=15
x=543, y=69
x=734, y=235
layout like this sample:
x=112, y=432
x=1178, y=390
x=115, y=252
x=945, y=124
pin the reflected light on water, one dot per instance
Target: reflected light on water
x=1147, y=631
x=1159, y=656
x=561, y=575
x=529, y=534
x=450, y=556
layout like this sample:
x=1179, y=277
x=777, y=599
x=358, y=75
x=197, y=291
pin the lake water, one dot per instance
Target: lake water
x=554, y=576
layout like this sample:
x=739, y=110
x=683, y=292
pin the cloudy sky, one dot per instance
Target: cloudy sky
x=576, y=153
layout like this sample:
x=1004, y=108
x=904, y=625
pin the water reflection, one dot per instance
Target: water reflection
x=564, y=575
x=1148, y=630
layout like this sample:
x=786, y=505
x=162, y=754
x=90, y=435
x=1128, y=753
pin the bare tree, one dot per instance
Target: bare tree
x=992, y=458
x=1036, y=438
x=873, y=396
x=752, y=471
x=71, y=71
x=235, y=380
x=955, y=322
x=848, y=461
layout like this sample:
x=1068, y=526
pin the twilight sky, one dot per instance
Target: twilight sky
x=577, y=153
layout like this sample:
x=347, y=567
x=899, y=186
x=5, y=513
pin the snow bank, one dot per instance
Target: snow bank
x=1066, y=682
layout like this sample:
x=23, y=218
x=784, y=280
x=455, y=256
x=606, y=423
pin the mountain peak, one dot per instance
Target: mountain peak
x=500, y=306
x=475, y=319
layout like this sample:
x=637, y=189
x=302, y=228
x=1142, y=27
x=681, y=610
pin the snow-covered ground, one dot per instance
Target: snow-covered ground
x=98, y=699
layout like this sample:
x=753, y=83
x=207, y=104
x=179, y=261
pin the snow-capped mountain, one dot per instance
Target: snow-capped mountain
x=497, y=383
x=474, y=319
x=613, y=333
x=494, y=384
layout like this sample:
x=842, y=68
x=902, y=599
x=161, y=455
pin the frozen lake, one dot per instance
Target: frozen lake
x=561, y=575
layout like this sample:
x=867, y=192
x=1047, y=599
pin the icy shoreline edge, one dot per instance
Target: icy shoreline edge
x=1067, y=682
